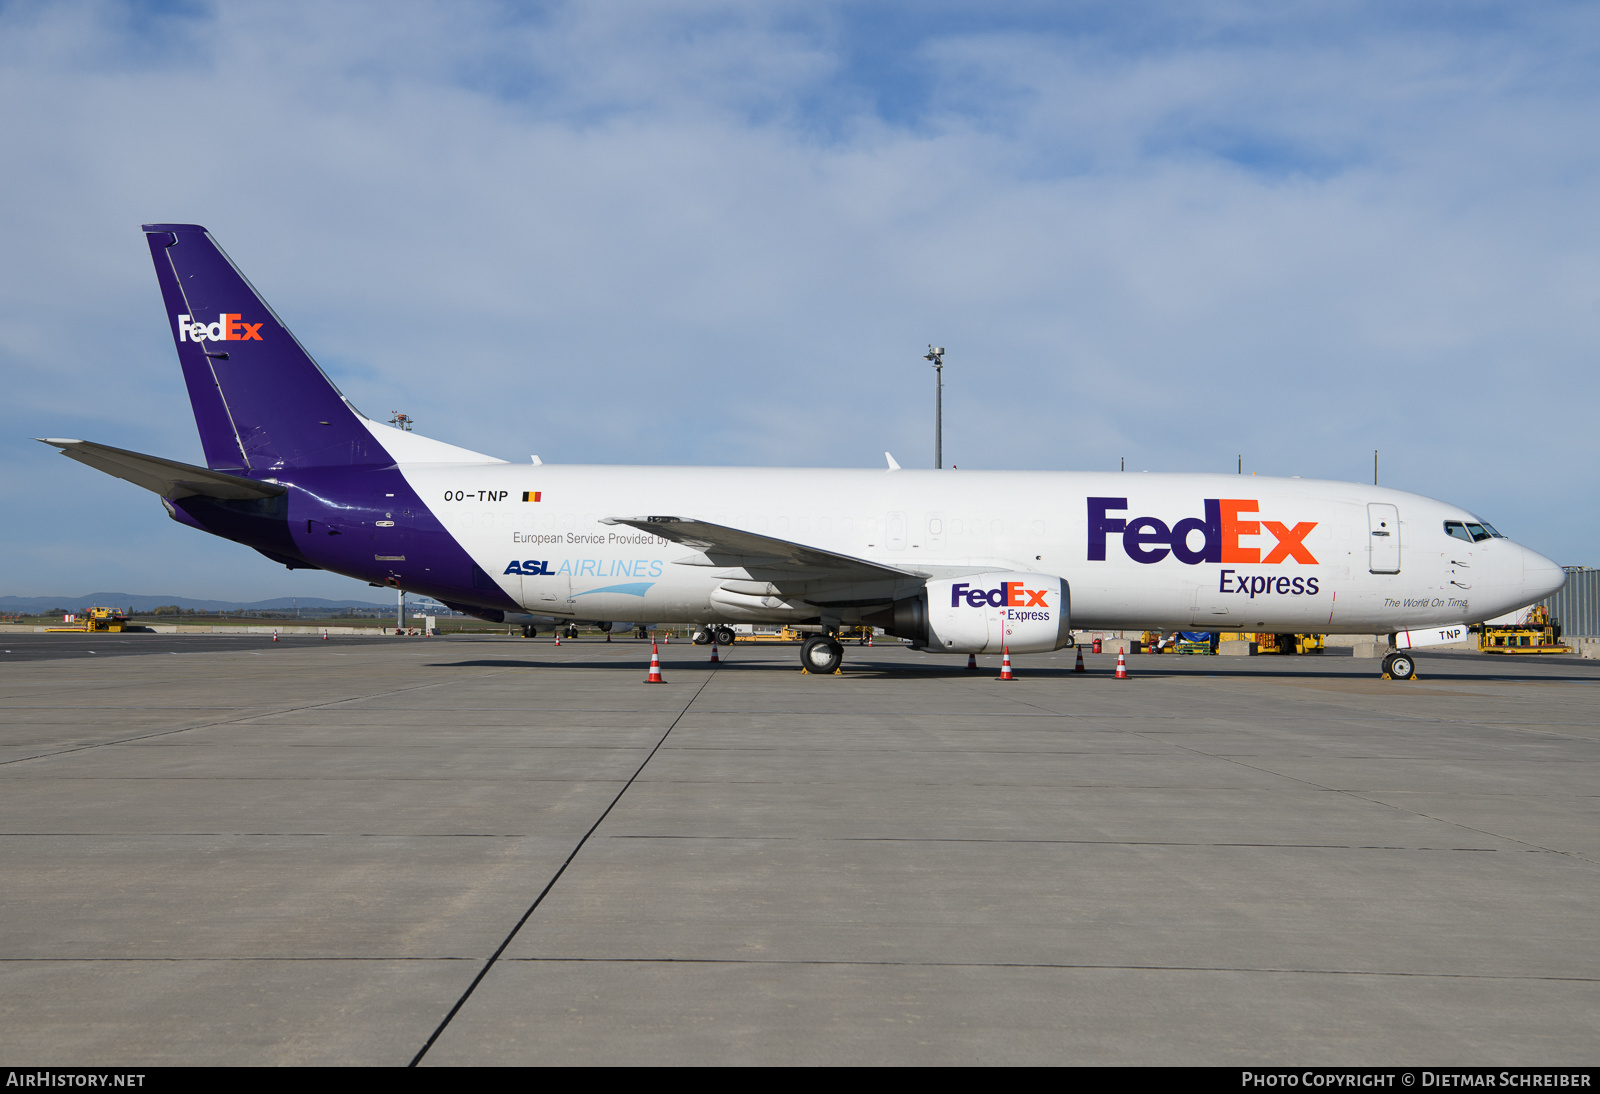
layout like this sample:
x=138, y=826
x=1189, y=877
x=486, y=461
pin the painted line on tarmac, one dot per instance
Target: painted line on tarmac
x=494, y=957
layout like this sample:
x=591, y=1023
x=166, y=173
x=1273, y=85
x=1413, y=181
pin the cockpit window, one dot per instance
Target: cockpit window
x=1472, y=533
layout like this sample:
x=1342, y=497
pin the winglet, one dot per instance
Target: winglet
x=892, y=465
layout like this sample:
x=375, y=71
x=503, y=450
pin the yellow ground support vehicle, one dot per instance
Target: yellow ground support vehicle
x=97, y=620
x=795, y=634
x=1538, y=635
x=1281, y=643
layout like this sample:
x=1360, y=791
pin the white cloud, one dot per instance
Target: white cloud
x=721, y=233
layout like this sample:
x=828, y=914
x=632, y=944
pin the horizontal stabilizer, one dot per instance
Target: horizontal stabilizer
x=169, y=478
x=735, y=547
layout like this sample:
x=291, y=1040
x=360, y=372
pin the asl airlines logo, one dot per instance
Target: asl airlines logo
x=227, y=328
x=1149, y=540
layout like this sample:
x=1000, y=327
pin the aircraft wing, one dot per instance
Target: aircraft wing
x=169, y=478
x=724, y=546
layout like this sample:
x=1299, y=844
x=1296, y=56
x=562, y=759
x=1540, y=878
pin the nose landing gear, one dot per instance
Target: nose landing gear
x=1399, y=666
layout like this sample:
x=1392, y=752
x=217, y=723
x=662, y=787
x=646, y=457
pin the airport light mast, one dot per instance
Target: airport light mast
x=936, y=355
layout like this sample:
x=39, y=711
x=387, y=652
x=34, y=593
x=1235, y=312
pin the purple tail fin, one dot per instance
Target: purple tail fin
x=259, y=399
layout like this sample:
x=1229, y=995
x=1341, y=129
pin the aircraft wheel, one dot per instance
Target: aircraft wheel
x=1400, y=666
x=642, y=632
x=725, y=636
x=821, y=655
x=702, y=637
x=529, y=630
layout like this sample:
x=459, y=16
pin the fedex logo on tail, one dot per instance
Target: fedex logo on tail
x=227, y=328
x=1226, y=521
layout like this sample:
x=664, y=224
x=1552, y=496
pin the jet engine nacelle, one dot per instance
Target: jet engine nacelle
x=984, y=613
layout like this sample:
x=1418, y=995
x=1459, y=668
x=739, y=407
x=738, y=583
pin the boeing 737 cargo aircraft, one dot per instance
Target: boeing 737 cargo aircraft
x=954, y=561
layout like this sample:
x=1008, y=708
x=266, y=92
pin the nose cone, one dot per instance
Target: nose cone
x=1540, y=576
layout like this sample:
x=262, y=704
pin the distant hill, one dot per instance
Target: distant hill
x=34, y=605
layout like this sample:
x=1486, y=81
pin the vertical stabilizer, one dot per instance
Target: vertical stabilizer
x=259, y=399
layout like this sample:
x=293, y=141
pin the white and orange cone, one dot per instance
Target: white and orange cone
x=655, y=667
x=274, y=634
x=1122, y=666
x=608, y=636
x=1005, y=663
x=558, y=636
x=715, y=660
x=972, y=661
x=1079, y=667
x=324, y=634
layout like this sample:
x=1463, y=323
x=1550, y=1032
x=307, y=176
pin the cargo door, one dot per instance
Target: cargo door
x=1383, y=522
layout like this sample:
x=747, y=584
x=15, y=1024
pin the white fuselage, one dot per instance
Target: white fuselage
x=554, y=555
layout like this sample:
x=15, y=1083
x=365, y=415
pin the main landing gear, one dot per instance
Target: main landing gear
x=821, y=654
x=1399, y=666
x=724, y=636
x=529, y=630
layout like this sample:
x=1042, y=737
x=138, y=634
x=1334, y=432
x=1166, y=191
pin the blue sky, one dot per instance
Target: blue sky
x=722, y=233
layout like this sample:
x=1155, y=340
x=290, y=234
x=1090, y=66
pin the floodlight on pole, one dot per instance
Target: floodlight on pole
x=936, y=355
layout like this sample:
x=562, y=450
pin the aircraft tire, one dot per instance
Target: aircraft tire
x=725, y=636
x=702, y=636
x=529, y=630
x=1400, y=666
x=821, y=655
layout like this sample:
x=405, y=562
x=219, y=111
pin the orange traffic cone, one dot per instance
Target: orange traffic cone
x=972, y=661
x=558, y=636
x=1005, y=663
x=608, y=636
x=274, y=634
x=715, y=660
x=655, y=667
x=1079, y=667
x=1122, y=666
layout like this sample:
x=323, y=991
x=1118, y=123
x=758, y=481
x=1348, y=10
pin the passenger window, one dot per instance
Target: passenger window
x=1457, y=529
